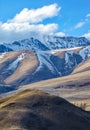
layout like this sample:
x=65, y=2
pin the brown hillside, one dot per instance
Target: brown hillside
x=75, y=87
x=35, y=110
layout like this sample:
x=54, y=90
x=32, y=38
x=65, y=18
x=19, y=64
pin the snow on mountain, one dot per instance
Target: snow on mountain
x=15, y=63
x=27, y=44
x=58, y=65
x=24, y=67
x=65, y=49
x=35, y=60
x=2, y=55
x=44, y=60
x=46, y=43
x=54, y=42
x=85, y=53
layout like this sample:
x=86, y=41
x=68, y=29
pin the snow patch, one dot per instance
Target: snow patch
x=2, y=55
x=14, y=65
x=66, y=58
x=44, y=59
x=61, y=50
x=85, y=53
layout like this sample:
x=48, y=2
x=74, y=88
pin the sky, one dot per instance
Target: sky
x=21, y=19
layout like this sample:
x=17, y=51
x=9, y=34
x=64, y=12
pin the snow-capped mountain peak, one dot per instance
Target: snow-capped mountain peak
x=46, y=43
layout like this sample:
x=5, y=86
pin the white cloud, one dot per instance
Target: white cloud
x=87, y=35
x=26, y=24
x=60, y=34
x=11, y=32
x=18, y=27
x=88, y=15
x=79, y=25
x=36, y=15
x=82, y=23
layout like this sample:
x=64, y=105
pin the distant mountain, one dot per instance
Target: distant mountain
x=36, y=110
x=65, y=42
x=27, y=66
x=46, y=43
x=4, y=48
x=33, y=60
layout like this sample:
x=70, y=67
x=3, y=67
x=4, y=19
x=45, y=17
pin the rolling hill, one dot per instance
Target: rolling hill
x=31, y=71
x=74, y=87
x=36, y=110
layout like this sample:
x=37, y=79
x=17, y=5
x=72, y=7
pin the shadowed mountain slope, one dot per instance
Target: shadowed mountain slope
x=35, y=110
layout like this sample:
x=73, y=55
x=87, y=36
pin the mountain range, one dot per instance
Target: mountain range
x=45, y=43
x=27, y=66
x=32, y=71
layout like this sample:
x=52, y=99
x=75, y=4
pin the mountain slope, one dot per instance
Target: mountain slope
x=74, y=87
x=16, y=65
x=35, y=110
x=84, y=66
x=75, y=80
x=25, y=67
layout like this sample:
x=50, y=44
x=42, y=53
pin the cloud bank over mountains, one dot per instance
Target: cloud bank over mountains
x=29, y=23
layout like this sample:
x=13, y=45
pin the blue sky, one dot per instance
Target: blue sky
x=68, y=17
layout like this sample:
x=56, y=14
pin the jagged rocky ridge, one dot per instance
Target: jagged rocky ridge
x=46, y=43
